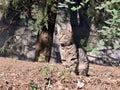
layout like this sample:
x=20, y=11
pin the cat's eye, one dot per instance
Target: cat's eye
x=56, y=32
x=63, y=60
x=73, y=59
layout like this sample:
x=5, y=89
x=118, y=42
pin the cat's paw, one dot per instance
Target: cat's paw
x=83, y=72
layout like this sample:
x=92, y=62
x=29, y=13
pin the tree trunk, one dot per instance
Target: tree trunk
x=45, y=38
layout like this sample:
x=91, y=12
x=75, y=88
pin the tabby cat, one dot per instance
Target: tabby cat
x=71, y=58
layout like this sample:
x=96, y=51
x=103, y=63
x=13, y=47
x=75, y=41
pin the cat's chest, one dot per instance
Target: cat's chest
x=68, y=51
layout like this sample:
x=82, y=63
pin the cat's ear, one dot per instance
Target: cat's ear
x=58, y=27
x=68, y=27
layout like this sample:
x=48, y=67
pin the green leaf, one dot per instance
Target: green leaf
x=82, y=4
x=61, y=5
x=86, y=1
x=69, y=1
x=44, y=70
x=73, y=8
x=108, y=22
x=115, y=1
x=33, y=86
x=107, y=3
x=116, y=46
x=96, y=51
x=101, y=42
x=52, y=68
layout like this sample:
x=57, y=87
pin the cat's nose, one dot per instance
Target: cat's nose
x=59, y=37
x=62, y=45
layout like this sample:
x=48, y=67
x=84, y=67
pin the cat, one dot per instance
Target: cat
x=43, y=46
x=73, y=59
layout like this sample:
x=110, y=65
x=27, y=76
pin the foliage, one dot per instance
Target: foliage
x=110, y=31
x=32, y=12
x=104, y=14
x=47, y=69
x=72, y=2
x=82, y=4
x=3, y=48
x=3, y=5
x=33, y=86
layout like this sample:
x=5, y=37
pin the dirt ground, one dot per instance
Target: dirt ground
x=24, y=75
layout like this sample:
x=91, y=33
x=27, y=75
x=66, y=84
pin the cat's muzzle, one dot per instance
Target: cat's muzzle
x=63, y=45
x=66, y=44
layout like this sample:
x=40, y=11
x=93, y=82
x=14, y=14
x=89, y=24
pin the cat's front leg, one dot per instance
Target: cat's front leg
x=83, y=64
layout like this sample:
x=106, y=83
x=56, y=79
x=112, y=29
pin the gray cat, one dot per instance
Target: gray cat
x=73, y=59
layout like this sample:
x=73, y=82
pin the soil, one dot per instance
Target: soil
x=26, y=75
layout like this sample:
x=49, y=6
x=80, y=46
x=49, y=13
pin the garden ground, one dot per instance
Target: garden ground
x=26, y=75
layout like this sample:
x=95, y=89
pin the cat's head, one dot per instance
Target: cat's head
x=64, y=34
